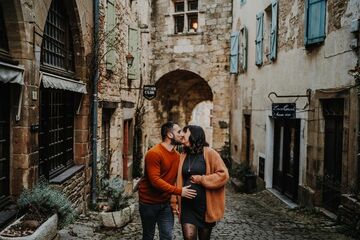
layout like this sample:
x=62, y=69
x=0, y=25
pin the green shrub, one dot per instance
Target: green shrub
x=44, y=200
x=114, y=190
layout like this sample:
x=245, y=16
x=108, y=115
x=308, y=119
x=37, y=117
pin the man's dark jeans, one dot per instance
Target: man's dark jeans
x=160, y=214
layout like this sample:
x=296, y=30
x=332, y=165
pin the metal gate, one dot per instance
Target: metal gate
x=4, y=144
x=56, y=132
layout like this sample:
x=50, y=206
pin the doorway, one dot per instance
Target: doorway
x=127, y=149
x=333, y=112
x=286, y=157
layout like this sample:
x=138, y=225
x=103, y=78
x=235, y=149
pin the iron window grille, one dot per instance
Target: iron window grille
x=4, y=146
x=57, y=47
x=4, y=47
x=56, y=132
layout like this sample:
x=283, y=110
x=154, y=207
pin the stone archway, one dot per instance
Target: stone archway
x=178, y=93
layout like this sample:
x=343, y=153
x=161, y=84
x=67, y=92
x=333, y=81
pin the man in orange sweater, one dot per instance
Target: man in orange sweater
x=157, y=185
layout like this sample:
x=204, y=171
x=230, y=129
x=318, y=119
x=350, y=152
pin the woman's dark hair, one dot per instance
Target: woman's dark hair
x=197, y=140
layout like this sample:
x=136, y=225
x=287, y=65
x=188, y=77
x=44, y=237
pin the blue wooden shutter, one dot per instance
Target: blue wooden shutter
x=234, y=52
x=259, y=39
x=133, y=46
x=243, y=49
x=273, y=36
x=242, y=2
x=315, y=16
x=110, y=35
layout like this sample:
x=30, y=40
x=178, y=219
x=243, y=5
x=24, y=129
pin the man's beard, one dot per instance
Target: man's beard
x=175, y=142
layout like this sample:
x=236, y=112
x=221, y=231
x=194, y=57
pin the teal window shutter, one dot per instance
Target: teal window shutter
x=242, y=2
x=315, y=16
x=243, y=48
x=133, y=46
x=110, y=24
x=234, y=52
x=259, y=38
x=273, y=34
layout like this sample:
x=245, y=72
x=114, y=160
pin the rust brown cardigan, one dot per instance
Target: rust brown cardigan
x=213, y=181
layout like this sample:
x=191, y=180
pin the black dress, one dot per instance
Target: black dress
x=193, y=210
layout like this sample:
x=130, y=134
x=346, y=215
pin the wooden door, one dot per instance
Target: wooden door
x=286, y=157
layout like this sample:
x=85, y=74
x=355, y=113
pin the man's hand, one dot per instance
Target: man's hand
x=188, y=193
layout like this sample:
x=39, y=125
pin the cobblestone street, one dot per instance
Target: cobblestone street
x=249, y=217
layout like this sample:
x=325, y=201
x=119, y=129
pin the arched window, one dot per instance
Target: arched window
x=4, y=47
x=57, y=47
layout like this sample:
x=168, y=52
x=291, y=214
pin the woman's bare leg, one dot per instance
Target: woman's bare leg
x=189, y=231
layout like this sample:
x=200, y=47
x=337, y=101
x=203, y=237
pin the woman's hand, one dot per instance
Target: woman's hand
x=195, y=179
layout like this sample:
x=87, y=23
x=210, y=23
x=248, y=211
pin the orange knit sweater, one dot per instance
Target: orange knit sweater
x=214, y=183
x=161, y=168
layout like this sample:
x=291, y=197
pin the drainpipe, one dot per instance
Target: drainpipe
x=95, y=103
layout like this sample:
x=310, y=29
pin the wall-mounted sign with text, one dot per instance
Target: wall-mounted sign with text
x=149, y=92
x=283, y=110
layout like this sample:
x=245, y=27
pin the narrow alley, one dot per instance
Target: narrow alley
x=259, y=216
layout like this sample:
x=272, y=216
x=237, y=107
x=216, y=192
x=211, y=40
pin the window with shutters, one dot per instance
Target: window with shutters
x=270, y=31
x=315, y=21
x=57, y=47
x=259, y=39
x=110, y=34
x=242, y=2
x=4, y=47
x=243, y=38
x=133, y=46
x=267, y=30
x=234, y=52
x=185, y=16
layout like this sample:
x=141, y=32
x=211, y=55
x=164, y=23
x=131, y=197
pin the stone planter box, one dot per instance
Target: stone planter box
x=46, y=231
x=119, y=218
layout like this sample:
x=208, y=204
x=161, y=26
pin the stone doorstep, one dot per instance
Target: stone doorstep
x=119, y=218
x=47, y=230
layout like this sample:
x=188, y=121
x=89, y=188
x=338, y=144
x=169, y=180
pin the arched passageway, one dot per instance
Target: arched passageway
x=179, y=92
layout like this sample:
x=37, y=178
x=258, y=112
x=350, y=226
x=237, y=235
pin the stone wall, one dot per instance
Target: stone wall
x=204, y=53
x=74, y=189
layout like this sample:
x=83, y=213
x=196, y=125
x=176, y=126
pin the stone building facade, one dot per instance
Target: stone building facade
x=45, y=52
x=123, y=33
x=295, y=57
x=189, y=64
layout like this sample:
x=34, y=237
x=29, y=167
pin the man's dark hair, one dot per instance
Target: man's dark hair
x=165, y=128
x=197, y=139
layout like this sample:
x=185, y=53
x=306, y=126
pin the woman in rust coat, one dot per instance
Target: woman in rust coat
x=202, y=168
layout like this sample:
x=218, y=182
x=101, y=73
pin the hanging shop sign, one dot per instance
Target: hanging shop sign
x=284, y=110
x=149, y=92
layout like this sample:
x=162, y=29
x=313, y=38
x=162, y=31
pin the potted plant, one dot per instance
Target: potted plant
x=118, y=207
x=243, y=178
x=44, y=210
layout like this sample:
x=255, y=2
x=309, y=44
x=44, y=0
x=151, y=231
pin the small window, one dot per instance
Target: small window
x=193, y=5
x=242, y=2
x=179, y=24
x=193, y=22
x=179, y=7
x=185, y=16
